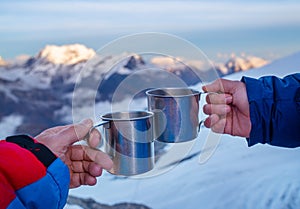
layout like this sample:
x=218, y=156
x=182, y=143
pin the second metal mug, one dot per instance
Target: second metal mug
x=175, y=113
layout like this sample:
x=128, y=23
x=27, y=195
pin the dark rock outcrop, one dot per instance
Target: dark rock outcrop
x=90, y=203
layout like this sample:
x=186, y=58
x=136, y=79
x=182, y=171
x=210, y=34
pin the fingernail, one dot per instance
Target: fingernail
x=228, y=99
x=227, y=109
x=107, y=164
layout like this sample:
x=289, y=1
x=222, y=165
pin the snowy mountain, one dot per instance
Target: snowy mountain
x=2, y=62
x=236, y=64
x=67, y=54
x=42, y=86
x=280, y=67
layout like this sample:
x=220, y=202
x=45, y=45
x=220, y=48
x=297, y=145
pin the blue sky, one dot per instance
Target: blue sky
x=264, y=28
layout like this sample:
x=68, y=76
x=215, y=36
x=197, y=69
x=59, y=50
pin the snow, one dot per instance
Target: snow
x=67, y=54
x=9, y=124
x=243, y=63
x=247, y=63
x=280, y=68
x=234, y=176
x=28, y=81
x=101, y=108
x=2, y=61
x=117, y=63
x=18, y=79
x=11, y=75
x=72, y=207
x=165, y=62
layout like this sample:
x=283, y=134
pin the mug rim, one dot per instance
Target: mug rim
x=110, y=116
x=193, y=92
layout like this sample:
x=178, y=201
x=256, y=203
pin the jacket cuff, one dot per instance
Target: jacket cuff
x=255, y=95
x=42, y=153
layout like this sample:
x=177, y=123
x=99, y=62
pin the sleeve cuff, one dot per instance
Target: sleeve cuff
x=43, y=153
x=255, y=96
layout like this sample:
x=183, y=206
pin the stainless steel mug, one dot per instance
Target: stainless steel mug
x=175, y=113
x=128, y=140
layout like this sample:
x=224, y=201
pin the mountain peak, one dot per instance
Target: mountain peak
x=245, y=63
x=66, y=54
x=236, y=64
x=2, y=62
x=134, y=61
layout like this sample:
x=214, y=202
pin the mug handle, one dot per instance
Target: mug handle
x=200, y=124
x=87, y=136
x=202, y=121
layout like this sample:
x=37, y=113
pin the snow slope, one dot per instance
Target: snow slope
x=235, y=177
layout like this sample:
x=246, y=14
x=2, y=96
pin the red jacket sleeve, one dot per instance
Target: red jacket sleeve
x=28, y=170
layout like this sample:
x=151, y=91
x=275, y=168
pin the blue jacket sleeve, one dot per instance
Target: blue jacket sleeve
x=49, y=192
x=274, y=110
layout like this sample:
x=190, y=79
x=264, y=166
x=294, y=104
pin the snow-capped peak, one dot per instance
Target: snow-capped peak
x=241, y=63
x=236, y=64
x=2, y=61
x=66, y=54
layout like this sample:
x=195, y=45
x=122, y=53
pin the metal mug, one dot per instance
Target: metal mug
x=128, y=140
x=175, y=113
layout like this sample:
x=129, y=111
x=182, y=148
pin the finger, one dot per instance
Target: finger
x=80, y=166
x=219, y=127
x=88, y=179
x=220, y=85
x=211, y=120
x=87, y=167
x=100, y=158
x=80, y=152
x=95, y=169
x=218, y=109
x=218, y=98
x=94, y=139
x=79, y=179
x=50, y=131
x=76, y=132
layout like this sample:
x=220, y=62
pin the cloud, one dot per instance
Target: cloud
x=130, y=16
x=229, y=24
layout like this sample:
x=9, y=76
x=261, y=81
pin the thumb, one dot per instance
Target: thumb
x=221, y=86
x=76, y=132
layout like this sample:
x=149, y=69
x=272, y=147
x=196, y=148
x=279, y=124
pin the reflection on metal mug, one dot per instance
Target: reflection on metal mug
x=175, y=113
x=128, y=140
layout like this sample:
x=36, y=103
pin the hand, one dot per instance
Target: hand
x=85, y=163
x=228, y=108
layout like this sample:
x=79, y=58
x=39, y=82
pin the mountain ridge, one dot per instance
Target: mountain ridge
x=42, y=86
x=73, y=54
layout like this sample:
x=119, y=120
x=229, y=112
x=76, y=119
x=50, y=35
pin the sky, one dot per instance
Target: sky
x=270, y=29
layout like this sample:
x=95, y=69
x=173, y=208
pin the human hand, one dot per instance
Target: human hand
x=228, y=108
x=84, y=163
